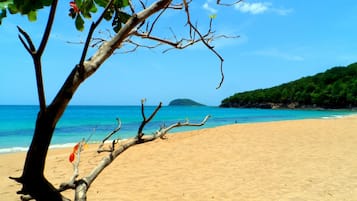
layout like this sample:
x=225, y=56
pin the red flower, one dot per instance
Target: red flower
x=74, y=6
x=72, y=156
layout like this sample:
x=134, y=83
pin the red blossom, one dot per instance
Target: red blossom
x=74, y=6
x=72, y=156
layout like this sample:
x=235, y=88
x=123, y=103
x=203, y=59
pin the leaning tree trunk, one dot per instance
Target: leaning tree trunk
x=33, y=177
x=33, y=174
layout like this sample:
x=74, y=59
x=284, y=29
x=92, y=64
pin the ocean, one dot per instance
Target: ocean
x=17, y=122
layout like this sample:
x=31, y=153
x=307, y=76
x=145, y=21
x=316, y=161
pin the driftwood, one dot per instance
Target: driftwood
x=101, y=148
x=82, y=185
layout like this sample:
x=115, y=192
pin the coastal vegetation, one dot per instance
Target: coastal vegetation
x=184, y=102
x=334, y=88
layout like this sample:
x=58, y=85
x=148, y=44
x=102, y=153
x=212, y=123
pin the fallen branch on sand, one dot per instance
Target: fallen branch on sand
x=82, y=185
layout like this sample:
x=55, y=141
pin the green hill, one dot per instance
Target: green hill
x=184, y=102
x=334, y=88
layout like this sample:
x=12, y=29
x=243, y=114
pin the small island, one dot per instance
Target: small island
x=184, y=102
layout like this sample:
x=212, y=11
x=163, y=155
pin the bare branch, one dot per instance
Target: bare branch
x=142, y=4
x=131, y=6
x=157, y=39
x=164, y=131
x=100, y=147
x=156, y=19
x=46, y=35
x=145, y=121
x=211, y=48
x=137, y=45
x=228, y=4
x=178, y=6
x=29, y=46
x=36, y=55
x=77, y=152
x=93, y=26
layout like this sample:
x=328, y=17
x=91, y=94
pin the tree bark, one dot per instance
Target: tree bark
x=33, y=177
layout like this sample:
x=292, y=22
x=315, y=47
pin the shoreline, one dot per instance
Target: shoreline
x=312, y=159
x=19, y=149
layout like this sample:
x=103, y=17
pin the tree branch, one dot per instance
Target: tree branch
x=228, y=4
x=163, y=131
x=211, y=48
x=47, y=32
x=72, y=182
x=91, y=31
x=29, y=46
x=83, y=184
x=140, y=133
x=100, y=147
x=107, y=48
x=36, y=55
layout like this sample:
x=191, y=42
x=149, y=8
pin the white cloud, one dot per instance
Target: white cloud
x=282, y=11
x=260, y=8
x=252, y=8
x=207, y=7
x=279, y=54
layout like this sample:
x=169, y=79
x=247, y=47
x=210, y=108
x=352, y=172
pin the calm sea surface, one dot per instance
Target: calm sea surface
x=78, y=122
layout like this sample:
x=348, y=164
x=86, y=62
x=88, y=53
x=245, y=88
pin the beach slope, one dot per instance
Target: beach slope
x=288, y=160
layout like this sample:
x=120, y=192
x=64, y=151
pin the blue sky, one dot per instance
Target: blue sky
x=280, y=41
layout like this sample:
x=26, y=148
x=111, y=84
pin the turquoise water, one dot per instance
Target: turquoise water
x=17, y=122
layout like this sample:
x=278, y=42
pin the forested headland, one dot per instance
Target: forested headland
x=335, y=88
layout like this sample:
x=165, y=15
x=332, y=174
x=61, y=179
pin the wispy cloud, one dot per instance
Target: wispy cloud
x=282, y=11
x=207, y=7
x=252, y=8
x=278, y=54
x=260, y=8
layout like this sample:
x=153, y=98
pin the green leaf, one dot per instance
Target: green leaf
x=4, y=4
x=213, y=16
x=121, y=3
x=72, y=13
x=125, y=3
x=101, y=3
x=108, y=15
x=124, y=17
x=86, y=8
x=119, y=19
x=79, y=23
x=46, y=2
x=78, y=3
x=12, y=9
x=2, y=15
x=32, y=16
x=86, y=14
x=93, y=9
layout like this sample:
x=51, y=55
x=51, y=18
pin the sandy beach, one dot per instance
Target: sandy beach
x=289, y=160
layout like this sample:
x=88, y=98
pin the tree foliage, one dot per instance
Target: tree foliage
x=335, y=88
x=79, y=10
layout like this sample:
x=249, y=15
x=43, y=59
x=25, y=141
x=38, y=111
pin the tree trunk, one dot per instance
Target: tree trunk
x=33, y=177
